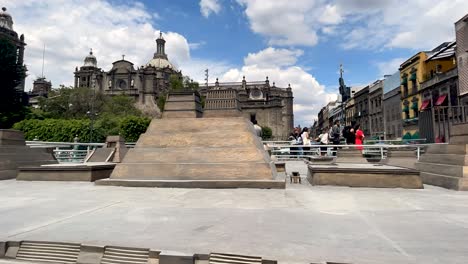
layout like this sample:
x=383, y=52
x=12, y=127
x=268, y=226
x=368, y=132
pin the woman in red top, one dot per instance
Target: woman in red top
x=359, y=137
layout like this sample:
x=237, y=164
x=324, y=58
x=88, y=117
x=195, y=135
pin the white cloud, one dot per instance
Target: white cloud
x=364, y=24
x=70, y=28
x=208, y=7
x=309, y=94
x=272, y=56
x=389, y=67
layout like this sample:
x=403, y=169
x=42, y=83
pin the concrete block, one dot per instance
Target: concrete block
x=12, y=248
x=90, y=254
x=360, y=175
x=11, y=137
x=3, y=248
x=87, y=173
x=175, y=258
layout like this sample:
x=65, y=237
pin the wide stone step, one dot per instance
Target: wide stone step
x=448, y=159
x=200, y=139
x=48, y=252
x=443, y=169
x=459, y=139
x=117, y=255
x=217, y=258
x=458, y=130
x=460, y=149
x=191, y=171
x=195, y=155
x=445, y=181
x=197, y=125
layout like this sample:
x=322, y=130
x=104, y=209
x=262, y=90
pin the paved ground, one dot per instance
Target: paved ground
x=297, y=225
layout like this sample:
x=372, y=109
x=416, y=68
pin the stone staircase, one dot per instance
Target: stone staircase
x=217, y=258
x=48, y=252
x=121, y=255
x=202, y=151
x=447, y=165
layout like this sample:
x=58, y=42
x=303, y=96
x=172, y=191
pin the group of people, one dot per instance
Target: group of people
x=329, y=136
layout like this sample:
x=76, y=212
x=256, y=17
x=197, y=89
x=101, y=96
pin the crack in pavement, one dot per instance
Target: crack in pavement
x=62, y=219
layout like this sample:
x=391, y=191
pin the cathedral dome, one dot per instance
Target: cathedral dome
x=90, y=60
x=6, y=21
x=161, y=63
x=160, y=59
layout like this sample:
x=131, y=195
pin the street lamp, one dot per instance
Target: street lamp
x=92, y=115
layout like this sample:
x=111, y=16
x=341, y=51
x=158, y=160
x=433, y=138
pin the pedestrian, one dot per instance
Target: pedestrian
x=335, y=133
x=359, y=137
x=323, y=139
x=258, y=129
x=349, y=133
x=305, y=139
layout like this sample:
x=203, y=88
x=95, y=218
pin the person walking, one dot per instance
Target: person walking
x=323, y=139
x=349, y=134
x=359, y=137
x=258, y=129
x=305, y=139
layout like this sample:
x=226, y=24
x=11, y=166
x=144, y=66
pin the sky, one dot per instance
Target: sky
x=300, y=42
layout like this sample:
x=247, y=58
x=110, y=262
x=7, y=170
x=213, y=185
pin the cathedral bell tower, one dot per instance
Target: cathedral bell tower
x=160, y=48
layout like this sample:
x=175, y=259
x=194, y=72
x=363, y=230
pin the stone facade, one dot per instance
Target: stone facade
x=392, y=107
x=361, y=105
x=461, y=29
x=145, y=83
x=376, y=126
x=7, y=32
x=270, y=105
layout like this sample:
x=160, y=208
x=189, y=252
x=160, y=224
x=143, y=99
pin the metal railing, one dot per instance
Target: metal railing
x=70, y=152
x=285, y=150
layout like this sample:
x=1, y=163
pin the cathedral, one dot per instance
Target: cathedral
x=7, y=32
x=145, y=83
x=268, y=104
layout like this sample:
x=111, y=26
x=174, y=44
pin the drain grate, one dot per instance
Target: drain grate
x=121, y=255
x=217, y=258
x=48, y=252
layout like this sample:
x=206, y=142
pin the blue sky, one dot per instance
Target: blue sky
x=301, y=42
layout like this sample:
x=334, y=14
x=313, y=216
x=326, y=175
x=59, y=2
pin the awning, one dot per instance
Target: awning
x=413, y=76
x=414, y=105
x=441, y=99
x=406, y=108
x=425, y=104
x=404, y=81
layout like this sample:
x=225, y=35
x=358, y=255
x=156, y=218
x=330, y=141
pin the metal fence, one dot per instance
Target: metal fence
x=284, y=150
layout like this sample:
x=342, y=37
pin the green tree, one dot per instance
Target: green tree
x=267, y=133
x=11, y=75
x=132, y=127
x=175, y=83
x=190, y=84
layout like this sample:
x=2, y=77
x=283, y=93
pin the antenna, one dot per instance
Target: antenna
x=206, y=77
x=43, y=56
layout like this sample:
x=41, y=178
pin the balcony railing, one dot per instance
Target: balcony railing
x=439, y=77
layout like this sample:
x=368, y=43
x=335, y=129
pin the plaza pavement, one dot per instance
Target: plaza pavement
x=301, y=224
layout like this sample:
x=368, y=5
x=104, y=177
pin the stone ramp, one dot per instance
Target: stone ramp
x=445, y=165
x=14, y=154
x=197, y=153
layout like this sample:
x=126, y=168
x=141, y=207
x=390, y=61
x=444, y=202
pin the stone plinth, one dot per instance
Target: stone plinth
x=113, y=151
x=88, y=172
x=197, y=153
x=446, y=165
x=401, y=158
x=14, y=153
x=364, y=175
x=350, y=155
x=183, y=104
x=222, y=103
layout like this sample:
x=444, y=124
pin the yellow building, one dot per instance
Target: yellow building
x=414, y=71
x=411, y=74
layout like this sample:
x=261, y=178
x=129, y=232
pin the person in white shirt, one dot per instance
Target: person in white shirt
x=258, y=129
x=323, y=138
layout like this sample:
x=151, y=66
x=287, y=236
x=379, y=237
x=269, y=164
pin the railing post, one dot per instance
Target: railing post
x=381, y=153
x=418, y=152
